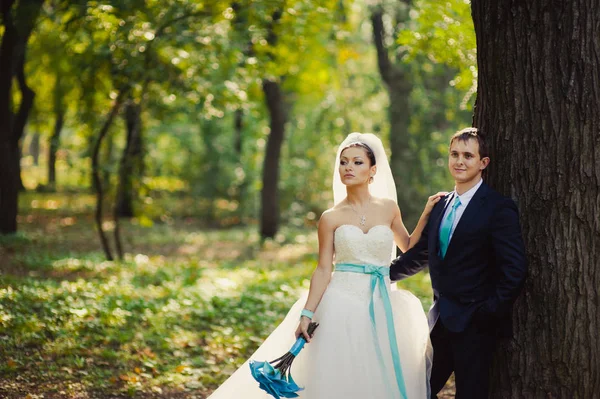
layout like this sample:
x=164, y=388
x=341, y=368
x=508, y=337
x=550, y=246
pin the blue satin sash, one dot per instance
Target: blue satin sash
x=378, y=274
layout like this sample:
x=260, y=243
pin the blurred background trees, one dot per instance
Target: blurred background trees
x=238, y=106
x=188, y=115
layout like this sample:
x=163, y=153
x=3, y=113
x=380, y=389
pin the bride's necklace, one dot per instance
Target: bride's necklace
x=363, y=217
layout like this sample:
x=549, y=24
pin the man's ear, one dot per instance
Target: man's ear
x=484, y=163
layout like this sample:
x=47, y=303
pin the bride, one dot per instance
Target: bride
x=372, y=340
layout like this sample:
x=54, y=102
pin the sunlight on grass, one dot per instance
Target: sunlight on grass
x=180, y=313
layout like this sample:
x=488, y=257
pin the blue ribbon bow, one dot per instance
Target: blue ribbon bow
x=378, y=274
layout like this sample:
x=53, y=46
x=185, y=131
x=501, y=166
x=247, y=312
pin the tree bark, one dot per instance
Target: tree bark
x=129, y=170
x=97, y=179
x=18, y=24
x=53, y=148
x=276, y=105
x=242, y=189
x=538, y=102
x=59, y=112
x=238, y=125
x=131, y=161
x=396, y=78
x=269, y=220
x=210, y=131
x=34, y=148
x=8, y=182
x=27, y=98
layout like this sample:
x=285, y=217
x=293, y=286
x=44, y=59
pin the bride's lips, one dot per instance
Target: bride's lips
x=348, y=175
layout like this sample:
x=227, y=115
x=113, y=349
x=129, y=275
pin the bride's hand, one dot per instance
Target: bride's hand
x=434, y=199
x=303, y=328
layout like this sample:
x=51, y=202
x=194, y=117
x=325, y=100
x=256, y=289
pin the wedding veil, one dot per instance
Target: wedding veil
x=383, y=185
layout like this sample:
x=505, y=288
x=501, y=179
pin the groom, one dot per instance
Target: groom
x=476, y=257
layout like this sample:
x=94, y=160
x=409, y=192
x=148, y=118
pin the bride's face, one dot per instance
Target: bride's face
x=355, y=167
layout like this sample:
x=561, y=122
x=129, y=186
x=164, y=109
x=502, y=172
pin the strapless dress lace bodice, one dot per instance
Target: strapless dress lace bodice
x=354, y=246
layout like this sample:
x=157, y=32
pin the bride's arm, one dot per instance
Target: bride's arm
x=405, y=241
x=322, y=274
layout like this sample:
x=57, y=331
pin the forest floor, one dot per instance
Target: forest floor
x=180, y=313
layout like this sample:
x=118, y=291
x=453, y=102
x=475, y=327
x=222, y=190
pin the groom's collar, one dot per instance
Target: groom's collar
x=469, y=194
x=477, y=191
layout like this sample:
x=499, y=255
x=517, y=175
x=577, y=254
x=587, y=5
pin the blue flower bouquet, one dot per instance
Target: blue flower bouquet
x=275, y=377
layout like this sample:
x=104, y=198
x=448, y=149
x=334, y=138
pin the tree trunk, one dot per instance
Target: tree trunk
x=8, y=181
x=397, y=80
x=403, y=161
x=269, y=220
x=130, y=162
x=238, y=125
x=59, y=112
x=20, y=121
x=210, y=131
x=538, y=101
x=241, y=193
x=18, y=25
x=97, y=180
x=53, y=148
x=107, y=159
x=276, y=105
x=34, y=148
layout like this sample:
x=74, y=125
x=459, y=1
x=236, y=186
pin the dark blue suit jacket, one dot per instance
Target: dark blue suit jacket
x=484, y=268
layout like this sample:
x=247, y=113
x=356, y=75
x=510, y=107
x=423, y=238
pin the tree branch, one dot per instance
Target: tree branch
x=383, y=58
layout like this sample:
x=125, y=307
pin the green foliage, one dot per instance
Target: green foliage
x=443, y=33
x=196, y=66
x=207, y=61
x=183, y=310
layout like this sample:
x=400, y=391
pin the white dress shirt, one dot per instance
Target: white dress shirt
x=465, y=198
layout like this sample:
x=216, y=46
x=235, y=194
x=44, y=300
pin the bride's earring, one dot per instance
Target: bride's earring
x=370, y=179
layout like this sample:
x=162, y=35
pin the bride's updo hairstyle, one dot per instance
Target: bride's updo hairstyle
x=368, y=149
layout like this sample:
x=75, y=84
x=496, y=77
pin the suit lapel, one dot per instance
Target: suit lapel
x=470, y=213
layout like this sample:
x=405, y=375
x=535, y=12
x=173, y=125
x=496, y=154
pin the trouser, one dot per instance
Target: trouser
x=468, y=354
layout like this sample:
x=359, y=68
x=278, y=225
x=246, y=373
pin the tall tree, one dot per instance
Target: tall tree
x=538, y=100
x=395, y=74
x=18, y=19
x=97, y=180
x=131, y=163
x=59, y=121
x=276, y=105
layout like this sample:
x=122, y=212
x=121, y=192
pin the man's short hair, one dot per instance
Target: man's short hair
x=469, y=133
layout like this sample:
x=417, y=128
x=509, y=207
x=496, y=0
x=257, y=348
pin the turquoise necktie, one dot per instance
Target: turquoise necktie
x=446, y=228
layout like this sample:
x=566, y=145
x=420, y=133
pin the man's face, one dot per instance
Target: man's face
x=464, y=161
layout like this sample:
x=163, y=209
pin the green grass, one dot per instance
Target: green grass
x=185, y=308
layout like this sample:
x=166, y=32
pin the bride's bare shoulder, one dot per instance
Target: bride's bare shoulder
x=384, y=202
x=332, y=217
x=386, y=205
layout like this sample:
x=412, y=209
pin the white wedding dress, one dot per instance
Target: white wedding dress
x=341, y=361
